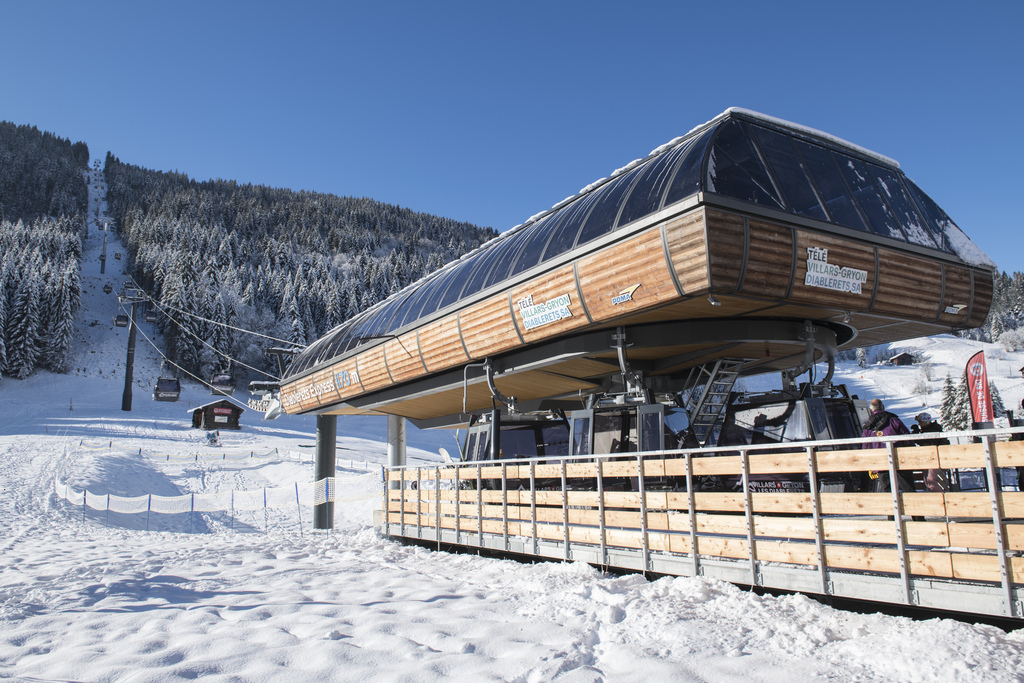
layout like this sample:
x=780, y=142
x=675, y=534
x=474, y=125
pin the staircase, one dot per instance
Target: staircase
x=707, y=393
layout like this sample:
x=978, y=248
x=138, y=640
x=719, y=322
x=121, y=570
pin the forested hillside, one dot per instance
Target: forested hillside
x=40, y=174
x=43, y=198
x=284, y=263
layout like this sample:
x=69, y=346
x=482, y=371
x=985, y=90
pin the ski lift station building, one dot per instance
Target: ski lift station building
x=750, y=239
x=749, y=245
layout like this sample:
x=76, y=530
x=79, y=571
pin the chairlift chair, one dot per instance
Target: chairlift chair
x=222, y=384
x=107, y=288
x=121, y=320
x=167, y=389
x=117, y=255
x=150, y=316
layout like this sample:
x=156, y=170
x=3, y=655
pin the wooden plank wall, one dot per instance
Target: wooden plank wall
x=947, y=535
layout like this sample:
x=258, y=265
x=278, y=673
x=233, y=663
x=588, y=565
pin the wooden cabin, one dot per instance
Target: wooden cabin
x=222, y=414
x=750, y=239
x=902, y=359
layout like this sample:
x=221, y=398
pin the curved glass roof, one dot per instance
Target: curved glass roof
x=739, y=155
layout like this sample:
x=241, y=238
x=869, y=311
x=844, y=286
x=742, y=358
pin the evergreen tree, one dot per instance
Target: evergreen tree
x=23, y=329
x=962, y=405
x=998, y=409
x=3, y=327
x=59, y=343
x=947, y=408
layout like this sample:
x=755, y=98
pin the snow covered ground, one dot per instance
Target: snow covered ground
x=86, y=598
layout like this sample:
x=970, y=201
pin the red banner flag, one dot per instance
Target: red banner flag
x=977, y=387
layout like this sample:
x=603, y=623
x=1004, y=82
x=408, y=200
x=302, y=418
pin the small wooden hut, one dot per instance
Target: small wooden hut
x=902, y=359
x=222, y=414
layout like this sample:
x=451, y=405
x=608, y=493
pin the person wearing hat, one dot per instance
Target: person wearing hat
x=882, y=423
x=935, y=480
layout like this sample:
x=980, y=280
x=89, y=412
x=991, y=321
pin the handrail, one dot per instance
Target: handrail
x=902, y=439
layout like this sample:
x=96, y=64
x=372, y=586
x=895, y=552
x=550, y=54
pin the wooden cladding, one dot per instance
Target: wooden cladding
x=753, y=266
x=629, y=278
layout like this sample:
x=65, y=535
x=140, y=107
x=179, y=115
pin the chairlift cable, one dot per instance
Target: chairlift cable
x=171, y=362
x=207, y=320
x=209, y=346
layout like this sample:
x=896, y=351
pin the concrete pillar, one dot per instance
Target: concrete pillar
x=396, y=443
x=326, y=456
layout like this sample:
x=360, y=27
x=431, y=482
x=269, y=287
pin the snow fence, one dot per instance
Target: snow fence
x=280, y=499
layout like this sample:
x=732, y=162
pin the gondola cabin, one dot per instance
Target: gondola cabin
x=121, y=320
x=222, y=414
x=150, y=316
x=749, y=245
x=117, y=255
x=222, y=384
x=167, y=389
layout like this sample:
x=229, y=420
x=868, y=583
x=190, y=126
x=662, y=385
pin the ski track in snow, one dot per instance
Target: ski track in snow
x=84, y=601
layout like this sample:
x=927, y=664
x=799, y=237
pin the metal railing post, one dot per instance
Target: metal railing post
x=437, y=505
x=479, y=506
x=600, y=511
x=458, y=506
x=691, y=508
x=999, y=529
x=644, y=540
x=565, y=512
x=533, y=507
x=897, y=515
x=504, y=503
x=748, y=511
x=819, y=535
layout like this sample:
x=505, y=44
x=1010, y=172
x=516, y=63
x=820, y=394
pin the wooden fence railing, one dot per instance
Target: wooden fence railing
x=562, y=504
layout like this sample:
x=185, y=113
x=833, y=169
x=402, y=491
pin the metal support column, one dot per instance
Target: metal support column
x=129, y=367
x=324, y=468
x=396, y=441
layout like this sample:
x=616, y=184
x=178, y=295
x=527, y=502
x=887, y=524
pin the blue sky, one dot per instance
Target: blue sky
x=490, y=113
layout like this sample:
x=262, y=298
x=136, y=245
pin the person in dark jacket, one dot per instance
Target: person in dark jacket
x=880, y=424
x=935, y=480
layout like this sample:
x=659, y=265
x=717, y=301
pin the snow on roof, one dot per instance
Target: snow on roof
x=969, y=252
x=807, y=130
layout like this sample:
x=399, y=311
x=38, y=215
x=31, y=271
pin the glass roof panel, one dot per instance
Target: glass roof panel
x=789, y=172
x=687, y=181
x=533, y=246
x=830, y=185
x=513, y=248
x=645, y=198
x=901, y=204
x=735, y=168
x=570, y=219
x=602, y=219
x=865, y=193
x=458, y=281
x=935, y=218
x=414, y=303
x=488, y=259
x=432, y=301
